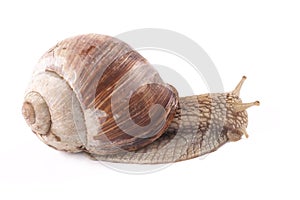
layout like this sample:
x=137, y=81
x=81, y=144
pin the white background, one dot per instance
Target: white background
x=260, y=39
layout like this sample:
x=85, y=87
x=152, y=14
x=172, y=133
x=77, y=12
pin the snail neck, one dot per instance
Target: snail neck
x=200, y=119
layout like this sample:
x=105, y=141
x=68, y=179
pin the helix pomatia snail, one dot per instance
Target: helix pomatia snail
x=94, y=93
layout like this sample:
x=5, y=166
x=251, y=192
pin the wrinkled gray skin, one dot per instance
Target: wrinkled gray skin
x=201, y=125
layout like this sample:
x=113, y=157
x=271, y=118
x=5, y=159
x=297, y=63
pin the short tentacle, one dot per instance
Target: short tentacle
x=244, y=132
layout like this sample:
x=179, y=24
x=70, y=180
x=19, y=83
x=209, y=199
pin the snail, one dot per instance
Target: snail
x=93, y=93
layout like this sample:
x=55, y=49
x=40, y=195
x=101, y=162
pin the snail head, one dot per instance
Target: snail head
x=236, y=115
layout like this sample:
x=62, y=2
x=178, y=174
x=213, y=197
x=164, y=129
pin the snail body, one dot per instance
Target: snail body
x=95, y=94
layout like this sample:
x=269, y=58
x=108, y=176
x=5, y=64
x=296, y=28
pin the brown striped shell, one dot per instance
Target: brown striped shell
x=95, y=93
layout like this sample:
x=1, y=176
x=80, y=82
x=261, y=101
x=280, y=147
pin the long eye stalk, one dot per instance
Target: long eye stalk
x=237, y=89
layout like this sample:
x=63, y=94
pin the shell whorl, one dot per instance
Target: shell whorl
x=36, y=113
x=53, y=112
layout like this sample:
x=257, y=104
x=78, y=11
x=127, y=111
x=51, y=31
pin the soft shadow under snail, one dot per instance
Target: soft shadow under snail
x=94, y=93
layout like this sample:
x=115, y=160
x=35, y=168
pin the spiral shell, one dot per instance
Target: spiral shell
x=95, y=93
